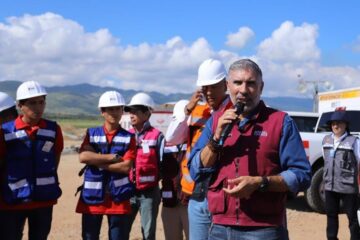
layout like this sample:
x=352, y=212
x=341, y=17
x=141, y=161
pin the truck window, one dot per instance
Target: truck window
x=305, y=123
x=353, y=116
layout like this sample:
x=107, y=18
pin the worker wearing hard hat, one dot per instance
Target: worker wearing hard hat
x=30, y=149
x=146, y=171
x=8, y=110
x=108, y=152
x=188, y=127
x=174, y=213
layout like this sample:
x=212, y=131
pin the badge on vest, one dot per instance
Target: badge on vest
x=260, y=133
x=167, y=194
x=47, y=146
x=145, y=147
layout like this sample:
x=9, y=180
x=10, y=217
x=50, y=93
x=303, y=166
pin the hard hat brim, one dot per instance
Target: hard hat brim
x=142, y=108
x=202, y=83
x=32, y=96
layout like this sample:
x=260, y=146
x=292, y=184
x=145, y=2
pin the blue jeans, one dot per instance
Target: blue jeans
x=199, y=219
x=220, y=232
x=39, y=222
x=147, y=203
x=118, y=230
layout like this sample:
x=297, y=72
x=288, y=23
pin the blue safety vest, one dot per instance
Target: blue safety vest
x=30, y=165
x=98, y=181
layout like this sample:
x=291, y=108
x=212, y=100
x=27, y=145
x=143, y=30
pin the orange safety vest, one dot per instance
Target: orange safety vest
x=199, y=116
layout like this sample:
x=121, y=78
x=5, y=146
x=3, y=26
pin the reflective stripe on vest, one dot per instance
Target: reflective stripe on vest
x=93, y=185
x=19, y=184
x=15, y=135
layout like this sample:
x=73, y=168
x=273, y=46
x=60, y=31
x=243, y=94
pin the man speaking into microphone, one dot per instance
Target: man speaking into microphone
x=254, y=163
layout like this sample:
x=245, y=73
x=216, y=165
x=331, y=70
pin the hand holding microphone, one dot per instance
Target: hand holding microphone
x=239, y=108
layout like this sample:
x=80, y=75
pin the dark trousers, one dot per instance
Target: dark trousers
x=118, y=226
x=332, y=207
x=39, y=222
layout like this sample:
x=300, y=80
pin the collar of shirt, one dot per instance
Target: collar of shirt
x=30, y=130
x=140, y=135
x=110, y=134
x=338, y=141
x=253, y=115
x=146, y=126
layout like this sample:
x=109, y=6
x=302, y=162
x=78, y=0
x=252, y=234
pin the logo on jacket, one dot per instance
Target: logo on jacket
x=260, y=133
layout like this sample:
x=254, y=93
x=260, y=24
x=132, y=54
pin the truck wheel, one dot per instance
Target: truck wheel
x=315, y=194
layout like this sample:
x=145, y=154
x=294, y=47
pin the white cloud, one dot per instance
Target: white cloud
x=291, y=43
x=57, y=51
x=240, y=38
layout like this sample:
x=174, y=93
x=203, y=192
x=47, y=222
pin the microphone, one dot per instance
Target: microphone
x=239, y=108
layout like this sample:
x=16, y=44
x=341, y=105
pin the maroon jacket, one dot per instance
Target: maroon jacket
x=253, y=151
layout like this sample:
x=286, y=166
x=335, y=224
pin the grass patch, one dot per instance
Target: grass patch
x=80, y=123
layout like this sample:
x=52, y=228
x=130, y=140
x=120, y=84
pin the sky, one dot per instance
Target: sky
x=159, y=45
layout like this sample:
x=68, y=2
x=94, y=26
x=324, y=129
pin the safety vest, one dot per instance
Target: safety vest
x=145, y=173
x=252, y=151
x=340, y=165
x=199, y=116
x=30, y=165
x=98, y=181
x=171, y=190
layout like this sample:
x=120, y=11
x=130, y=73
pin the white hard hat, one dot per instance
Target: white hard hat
x=210, y=72
x=6, y=101
x=30, y=89
x=179, y=107
x=111, y=99
x=142, y=99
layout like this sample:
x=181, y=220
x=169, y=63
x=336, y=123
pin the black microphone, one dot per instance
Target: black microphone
x=239, y=108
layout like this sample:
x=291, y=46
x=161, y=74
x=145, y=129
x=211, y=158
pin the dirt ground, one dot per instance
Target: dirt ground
x=302, y=222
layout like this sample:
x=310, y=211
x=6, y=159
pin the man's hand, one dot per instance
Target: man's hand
x=228, y=117
x=242, y=187
x=195, y=98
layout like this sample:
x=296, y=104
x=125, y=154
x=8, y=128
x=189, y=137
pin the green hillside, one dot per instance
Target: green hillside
x=82, y=99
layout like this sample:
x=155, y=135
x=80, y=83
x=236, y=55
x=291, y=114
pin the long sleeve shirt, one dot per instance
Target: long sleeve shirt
x=294, y=164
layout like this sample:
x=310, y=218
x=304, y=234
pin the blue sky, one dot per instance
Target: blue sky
x=158, y=45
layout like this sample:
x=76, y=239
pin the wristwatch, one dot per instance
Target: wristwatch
x=116, y=158
x=264, y=184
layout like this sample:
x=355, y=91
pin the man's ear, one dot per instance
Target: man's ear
x=225, y=85
x=19, y=105
x=262, y=86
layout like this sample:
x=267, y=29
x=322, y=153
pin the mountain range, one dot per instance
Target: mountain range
x=82, y=99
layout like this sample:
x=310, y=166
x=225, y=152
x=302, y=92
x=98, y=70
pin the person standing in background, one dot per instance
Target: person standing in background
x=108, y=152
x=341, y=153
x=8, y=113
x=30, y=149
x=209, y=99
x=145, y=173
x=174, y=213
x=8, y=110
